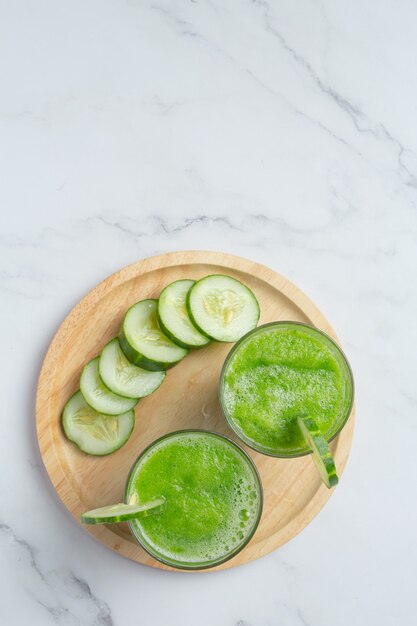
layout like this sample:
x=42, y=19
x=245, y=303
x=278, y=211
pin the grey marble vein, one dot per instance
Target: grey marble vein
x=302, y=619
x=27, y=547
x=60, y=586
x=357, y=116
x=351, y=109
x=129, y=226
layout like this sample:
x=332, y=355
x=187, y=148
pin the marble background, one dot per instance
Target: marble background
x=281, y=131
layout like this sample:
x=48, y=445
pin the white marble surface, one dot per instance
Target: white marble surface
x=282, y=131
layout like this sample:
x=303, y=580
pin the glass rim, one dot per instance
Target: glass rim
x=232, y=351
x=256, y=474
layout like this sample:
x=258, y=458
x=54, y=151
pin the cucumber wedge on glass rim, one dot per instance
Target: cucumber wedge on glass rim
x=93, y=432
x=322, y=456
x=143, y=341
x=124, y=378
x=116, y=513
x=222, y=308
x=173, y=316
x=98, y=396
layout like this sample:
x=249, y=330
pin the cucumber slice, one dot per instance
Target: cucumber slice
x=116, y=513
x=144, y=343
x=98, y=396
x=173, y=316
x=222, y=307
x=322, y=456
x=123, y=378
x=93, y=432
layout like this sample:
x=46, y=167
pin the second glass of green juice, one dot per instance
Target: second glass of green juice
x=277, y=373
x=213, y=497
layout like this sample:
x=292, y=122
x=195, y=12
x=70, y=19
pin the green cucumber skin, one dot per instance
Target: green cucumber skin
x=118, y=519
x=190, y=313
x=111, y=414
x=168, y=333
x=117, y=392
x=139, y=359
x=170, y=336
x=177, y=341
x=94, y=521
x=110, y=391
x=324, y=451
x=102, y=453
x=114, y=519
x=63, y=419
x=333, y=481
x=329, y=464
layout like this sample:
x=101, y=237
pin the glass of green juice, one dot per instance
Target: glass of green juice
x=278, y=372
x=213, y=499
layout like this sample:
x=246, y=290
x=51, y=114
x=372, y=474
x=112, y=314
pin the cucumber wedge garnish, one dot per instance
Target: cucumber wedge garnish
x=123, y=378
x=98, y=396
x=222, y=308
x=173, y=316
x=116, y=513
x=93, y=432
x=322, y=456
x=143, y=341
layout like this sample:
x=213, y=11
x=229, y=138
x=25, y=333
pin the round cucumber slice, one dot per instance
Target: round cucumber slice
x=144, y=343
x=322, y=456
x=222, y=307
x=98, y=396
x=123, y=378
x=93, y=432
x=173, y=316
x=116, y=513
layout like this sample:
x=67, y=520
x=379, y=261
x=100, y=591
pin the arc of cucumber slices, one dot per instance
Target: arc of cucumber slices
x=116, y=513
x=143, y=341
x=322, y=457
x=93, y=432
x=155, y=335
x=222, y=308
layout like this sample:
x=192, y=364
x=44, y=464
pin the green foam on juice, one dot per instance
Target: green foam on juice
x=278, y=372
x=213, y=499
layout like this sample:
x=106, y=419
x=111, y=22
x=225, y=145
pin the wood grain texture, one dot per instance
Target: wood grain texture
x=188, y=398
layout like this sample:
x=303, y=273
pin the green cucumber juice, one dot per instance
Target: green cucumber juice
x=213, y=499
x=277, y=372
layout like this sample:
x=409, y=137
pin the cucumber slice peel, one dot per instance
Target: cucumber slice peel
x=124, y=378
x=95, y=433
x=321, y=456
x=173, y=316
x=143, y=341
x=116, y=513
x=222, y=308
x=98, y=396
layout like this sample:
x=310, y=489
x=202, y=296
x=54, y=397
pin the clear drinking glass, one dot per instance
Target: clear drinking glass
x=137, y=526
x=347, y=387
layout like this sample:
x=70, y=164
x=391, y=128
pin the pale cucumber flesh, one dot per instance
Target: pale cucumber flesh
x=98, y=396
x=222, y=307
x=143, y=341
x=124, y=378
x=116, y=513
x=95, y=433
x=174, y=318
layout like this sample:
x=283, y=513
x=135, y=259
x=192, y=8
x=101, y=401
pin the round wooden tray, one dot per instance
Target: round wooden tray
x=187, y=398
